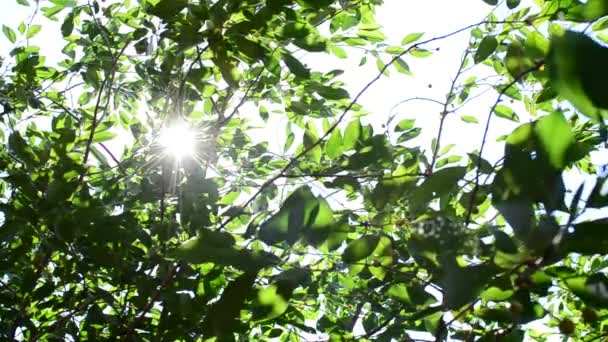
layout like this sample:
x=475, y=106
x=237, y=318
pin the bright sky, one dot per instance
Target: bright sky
x=398, y=18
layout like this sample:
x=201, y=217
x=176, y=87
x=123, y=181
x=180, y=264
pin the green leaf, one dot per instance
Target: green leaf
x=375, y=36
x=404, y=125
x=486, y=47
x=439, y=183
x=229, y=71
x=496, y=294
x=519, y=213
x=589, y=11
x=599, y=194
x=449, y=160
x=333, y=147
x=561, y=272
x=499, y=315
x=588, y=238
x=271, y=303
x=591, y=289
x=491, y=2
x=381, y=258
x=546, y=94
x=536, y=45
x=402, y=67
x=68, y=25
x=463, y=285
x=506, y=112
x=400, y=292
x=420, y=53
x=360, y=249
x=511, y=4
x=522, y=136
x=310, y=139
x=577, y=72
x=103, y=136
x=249, y=50
x=517, y=61
x=312, y=43
x=222, y=317
x=555, y=137
x=165, y=9
x=469, y=119
x=504, y=242
x=331, y=93
x=217, y=247
x=100, y=156
x=338, y=51
x=302, y=215
x=9, y=33
x=84, y=98
x=411, y=38
x=409, y=135
x=352, y=134
x=33, y=30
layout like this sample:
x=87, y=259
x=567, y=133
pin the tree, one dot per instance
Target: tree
x=239, y=242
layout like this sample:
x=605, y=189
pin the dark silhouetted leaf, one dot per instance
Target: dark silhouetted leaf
x=223, y=315
x=511, y=4
x=165, y=9
x=360, y=249
x=588, y=238
x=486, y=47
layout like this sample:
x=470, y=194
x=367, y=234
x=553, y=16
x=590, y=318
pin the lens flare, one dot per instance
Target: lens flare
x=178, y=140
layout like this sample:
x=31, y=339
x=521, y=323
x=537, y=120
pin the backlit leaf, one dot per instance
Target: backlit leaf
x=360, y=249
x=486, y=47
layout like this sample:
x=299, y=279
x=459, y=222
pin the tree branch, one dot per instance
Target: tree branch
x=346, y=111
x=106, y=82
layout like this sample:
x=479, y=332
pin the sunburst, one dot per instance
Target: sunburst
x=178, y=141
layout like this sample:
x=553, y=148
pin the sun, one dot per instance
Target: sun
x=178, y=140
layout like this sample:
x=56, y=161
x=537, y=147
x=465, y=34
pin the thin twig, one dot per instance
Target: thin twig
x=180, y=91
x=371, y=175
x=444, y=112
x=222, y=121
x=105, y=148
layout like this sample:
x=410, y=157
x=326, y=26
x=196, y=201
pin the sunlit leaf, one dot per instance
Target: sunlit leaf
x=411, y=38
x=592, y=289
x=9, y=33
x=555, y=137
x=469, y=119
x=33, y=30
x=506, y=112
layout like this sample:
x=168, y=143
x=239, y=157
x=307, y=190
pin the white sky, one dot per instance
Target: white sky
x=398, y=18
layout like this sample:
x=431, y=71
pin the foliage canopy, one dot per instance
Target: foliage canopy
x=243, y=242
